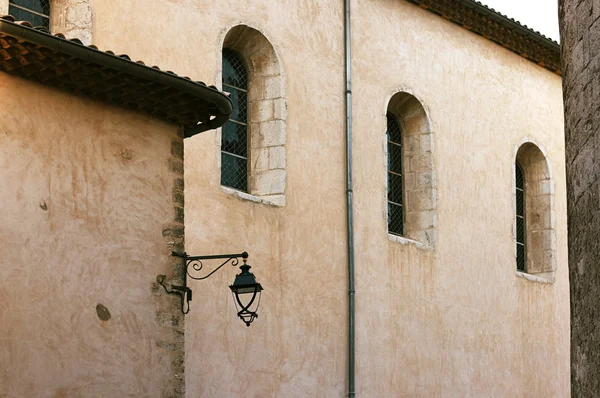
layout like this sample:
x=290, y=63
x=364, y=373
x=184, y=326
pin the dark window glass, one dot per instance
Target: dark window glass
x=394, y=166
x=520, y=218
x=35, y=11
x=234, y=143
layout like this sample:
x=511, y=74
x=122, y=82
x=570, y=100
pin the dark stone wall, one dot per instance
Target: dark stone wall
x=580, y=40
x=169, y=315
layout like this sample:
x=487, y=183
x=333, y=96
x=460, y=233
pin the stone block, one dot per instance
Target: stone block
x=272, y=133
x=540, y=240
x=421, y=199
x=540, y=261
x=409, y=181
x=277, y=157
x=273, y=87
x=421, y=163
x=420, y=220
x=264, y=63
x=261, y=111
x=425, y=179
x=537, y=170
x=73, y=19
x=79, y=15
x=256, y=89
x=415, y=123
x=259, y=159
x=539, y=219
x=427, y=143
x=270, y=182
x=412, y=145
x=426, y=237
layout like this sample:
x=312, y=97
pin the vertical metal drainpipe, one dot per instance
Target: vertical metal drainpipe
x=349, y=204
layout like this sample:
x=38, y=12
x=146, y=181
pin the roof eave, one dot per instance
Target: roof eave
x=124, y=65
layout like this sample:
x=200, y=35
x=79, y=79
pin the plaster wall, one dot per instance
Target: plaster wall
x=452, y=321
x=86, y=193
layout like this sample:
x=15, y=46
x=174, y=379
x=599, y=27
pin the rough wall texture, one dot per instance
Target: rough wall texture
x=455, y=321
x=580, y=38
x=91, y=209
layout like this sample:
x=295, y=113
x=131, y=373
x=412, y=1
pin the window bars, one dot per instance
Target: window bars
x=520, y=218
x=234, y=143
x=394, y=175
x=35, y=11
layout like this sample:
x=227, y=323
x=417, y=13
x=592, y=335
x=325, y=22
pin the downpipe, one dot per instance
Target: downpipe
x=349, y=201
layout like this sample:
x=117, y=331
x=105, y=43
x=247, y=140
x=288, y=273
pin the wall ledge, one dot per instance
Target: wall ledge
x=272, y=200
x=406, y=241
x=534, y=278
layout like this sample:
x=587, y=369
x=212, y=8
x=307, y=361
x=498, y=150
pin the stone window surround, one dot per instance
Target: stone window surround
x=418, y=142
x=547, y=275
x=266, y=115
x=73, y=18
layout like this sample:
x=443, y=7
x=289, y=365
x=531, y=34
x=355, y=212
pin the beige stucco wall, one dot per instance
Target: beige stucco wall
x=453, y=321
x=86, y=191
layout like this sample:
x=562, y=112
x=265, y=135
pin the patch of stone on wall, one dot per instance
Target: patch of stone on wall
x=3, y=7
x=169, y=315
x=73, y=18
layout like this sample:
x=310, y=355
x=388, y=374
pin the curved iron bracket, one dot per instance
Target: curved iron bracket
x=195, y=262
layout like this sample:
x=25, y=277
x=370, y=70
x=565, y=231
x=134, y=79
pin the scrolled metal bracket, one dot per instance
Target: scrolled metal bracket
x=194, y=264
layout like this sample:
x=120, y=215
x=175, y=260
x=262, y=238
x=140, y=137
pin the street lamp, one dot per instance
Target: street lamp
x=246, y=291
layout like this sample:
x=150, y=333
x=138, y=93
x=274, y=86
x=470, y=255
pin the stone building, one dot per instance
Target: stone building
x=458, y=197
x=580, y=37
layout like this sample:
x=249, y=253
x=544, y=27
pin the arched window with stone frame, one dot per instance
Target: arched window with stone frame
x=535, y=236
x=411, y=178
x=263, y=100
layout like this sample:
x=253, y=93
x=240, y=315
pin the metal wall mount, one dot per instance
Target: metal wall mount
x=192, y=268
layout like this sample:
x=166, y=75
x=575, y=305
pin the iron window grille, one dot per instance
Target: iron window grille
x=35, y=11
x=394, y=177
x=520, y=219
x=234, y=142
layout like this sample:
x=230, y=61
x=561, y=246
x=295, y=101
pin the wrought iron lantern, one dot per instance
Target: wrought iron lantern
x=245, y=285
x=246, y=291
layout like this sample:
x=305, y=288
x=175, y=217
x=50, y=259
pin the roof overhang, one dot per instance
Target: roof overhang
x=35, y=54
x=498, y=28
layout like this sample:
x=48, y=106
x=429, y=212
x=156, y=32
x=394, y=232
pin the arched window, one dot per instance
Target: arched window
x=234, y=141
x=35, y=11
x=253, y=153
x=411, y=177
x=520, y=217
x=535, y=249
x=394, y=166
